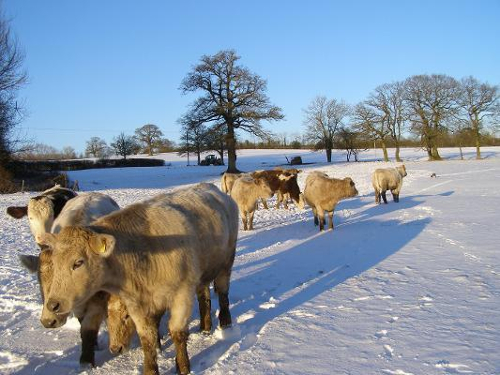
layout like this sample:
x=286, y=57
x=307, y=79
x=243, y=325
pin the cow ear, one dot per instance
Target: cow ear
x=46, y=241
x=30, y=262
x=17, y=212
x=103, y=245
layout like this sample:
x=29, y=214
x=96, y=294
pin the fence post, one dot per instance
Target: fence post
x=22, y=186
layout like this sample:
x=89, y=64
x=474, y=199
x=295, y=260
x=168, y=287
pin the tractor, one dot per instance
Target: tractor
x=211, y=160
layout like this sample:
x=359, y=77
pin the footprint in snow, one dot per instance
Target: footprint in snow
x=388, y=351
x=244, y=317
x=453, y=368
x=271, y=304
x=393, y=319
x=381, y=334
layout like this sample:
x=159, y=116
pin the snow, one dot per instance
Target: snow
x=407, y=288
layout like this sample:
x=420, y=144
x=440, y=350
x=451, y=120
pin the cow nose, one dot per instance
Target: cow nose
x=48, y=323
x=116, y=349
x=53, y=306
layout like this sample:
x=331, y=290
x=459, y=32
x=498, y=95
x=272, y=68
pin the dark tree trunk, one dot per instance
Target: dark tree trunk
x=329, y=155
x=398, y=158
x=435, y=153
x=384, y=150
x=221, y=153
x=478, y=142
x=231, y=151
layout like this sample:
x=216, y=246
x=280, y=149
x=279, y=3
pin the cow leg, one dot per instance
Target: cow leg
x=89, y=341
x=95, y=313
x=315, y=213
x=377, y=196
x=244, y=220
x=181, y=355
x=264, y=203
x=321, y=219
x=395, y=197
x=221, y=284
x=178, y=325
x=148, y=333
x=285, y=201
x=250, y=220
x=205, y=306
x=330, y=220
x=158, y=322
x=384, y=197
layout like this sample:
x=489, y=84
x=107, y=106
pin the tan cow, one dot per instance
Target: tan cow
x=246, y=192
x=323, y=193
x=227, y=181
x=155, y=255
x=384, y=179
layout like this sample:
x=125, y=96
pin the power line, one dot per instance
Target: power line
x=85, y=130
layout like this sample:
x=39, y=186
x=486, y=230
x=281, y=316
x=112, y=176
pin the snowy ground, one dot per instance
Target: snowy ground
x=408, y=288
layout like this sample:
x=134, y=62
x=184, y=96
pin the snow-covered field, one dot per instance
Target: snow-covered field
x=408, y=288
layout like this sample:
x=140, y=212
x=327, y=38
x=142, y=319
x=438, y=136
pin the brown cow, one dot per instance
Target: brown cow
x=284, y=183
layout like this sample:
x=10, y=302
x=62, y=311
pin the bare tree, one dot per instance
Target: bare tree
x=194, y=139
x=124, y=145
x=215, y=140
x=68, y=152
x=96, y=147
x=12, y=78
x=372, y=124
x=232, y=98
x=350, y=141
x=166, y=145
x=149, y=135
x=432, y=101
x=388, y=101
x=322, y=119
x=479, y=102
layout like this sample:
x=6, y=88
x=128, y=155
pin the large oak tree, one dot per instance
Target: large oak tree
x=232, y=98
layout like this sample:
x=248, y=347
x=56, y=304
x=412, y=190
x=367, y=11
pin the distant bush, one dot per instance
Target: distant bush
x=21, y=167
x=38, y=175
x=29, y=180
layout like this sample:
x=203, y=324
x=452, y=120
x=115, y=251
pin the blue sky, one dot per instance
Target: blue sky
x=97, y=68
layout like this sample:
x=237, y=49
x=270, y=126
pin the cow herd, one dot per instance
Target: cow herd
x=132, y=265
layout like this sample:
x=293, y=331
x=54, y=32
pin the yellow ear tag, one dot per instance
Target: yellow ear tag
x=102, y=249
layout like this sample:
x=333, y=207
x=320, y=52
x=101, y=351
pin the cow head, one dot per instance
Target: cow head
x=289, y=185
x=351, y=187
x=42, y=266
x=401, y=170
x=79, y=266
x=40, y=212
x=265, y=190
x=121, y=327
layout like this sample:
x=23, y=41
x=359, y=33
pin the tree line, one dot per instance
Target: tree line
x=426, y=110
x=435, y=109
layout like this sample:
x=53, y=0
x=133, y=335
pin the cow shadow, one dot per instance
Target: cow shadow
x=284, y=281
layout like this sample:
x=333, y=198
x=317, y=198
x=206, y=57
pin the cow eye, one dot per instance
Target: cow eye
x=77, y=264
x=127, y=316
